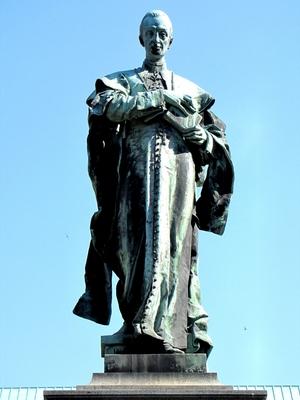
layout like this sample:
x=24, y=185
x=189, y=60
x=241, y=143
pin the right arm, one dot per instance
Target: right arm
x=115, y=102
x=122, y=107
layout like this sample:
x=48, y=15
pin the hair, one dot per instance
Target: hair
x=155, y=13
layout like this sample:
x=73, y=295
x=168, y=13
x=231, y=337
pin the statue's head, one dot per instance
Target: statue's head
x=156, y=34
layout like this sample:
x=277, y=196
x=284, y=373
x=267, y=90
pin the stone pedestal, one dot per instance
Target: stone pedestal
x=155, y=376
x=160, y=363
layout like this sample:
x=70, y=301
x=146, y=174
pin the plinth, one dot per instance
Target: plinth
x=155, y=376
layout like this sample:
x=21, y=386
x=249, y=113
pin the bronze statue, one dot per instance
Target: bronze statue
x=152, y=137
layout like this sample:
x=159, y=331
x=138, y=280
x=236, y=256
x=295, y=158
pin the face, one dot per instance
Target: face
x=156, y=36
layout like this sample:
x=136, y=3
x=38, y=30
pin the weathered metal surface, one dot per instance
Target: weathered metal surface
x=152, y=137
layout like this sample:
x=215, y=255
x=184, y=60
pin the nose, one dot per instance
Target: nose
x=156, y=37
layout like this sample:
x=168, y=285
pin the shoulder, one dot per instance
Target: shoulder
x=120, y=80
x=183, y=84
x=129, y=73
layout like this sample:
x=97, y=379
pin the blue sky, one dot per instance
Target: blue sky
x=247, y=55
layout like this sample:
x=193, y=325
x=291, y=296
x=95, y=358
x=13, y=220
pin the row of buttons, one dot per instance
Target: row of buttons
x=159, y=141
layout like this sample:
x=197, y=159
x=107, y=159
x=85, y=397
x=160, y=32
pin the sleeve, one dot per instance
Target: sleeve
x=122, y=107
x=112, y=98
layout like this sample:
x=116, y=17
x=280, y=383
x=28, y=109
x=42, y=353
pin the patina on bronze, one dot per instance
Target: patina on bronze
x=153, y=136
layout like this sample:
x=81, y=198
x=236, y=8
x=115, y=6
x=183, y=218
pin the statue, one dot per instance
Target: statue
x=152, y=137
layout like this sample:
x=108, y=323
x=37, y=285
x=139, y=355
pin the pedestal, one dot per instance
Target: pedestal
x=160, y=363
x=155, y=376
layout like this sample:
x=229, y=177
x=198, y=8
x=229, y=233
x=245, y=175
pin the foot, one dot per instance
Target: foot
x=124, y=330
x=171, y=349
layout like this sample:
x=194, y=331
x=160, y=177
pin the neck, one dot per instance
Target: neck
x=157, y=65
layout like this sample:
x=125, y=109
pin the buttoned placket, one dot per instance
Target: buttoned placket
x=160, y=140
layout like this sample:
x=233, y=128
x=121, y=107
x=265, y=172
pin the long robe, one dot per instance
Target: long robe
x=144, y=175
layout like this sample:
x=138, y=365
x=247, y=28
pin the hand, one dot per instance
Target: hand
x=172, y=99
x=189, y=103
x=198, y=136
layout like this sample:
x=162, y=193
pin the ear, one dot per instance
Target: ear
x=171, y=41
x=141, y=40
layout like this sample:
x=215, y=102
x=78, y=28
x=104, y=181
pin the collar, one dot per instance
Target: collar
x=160, y=67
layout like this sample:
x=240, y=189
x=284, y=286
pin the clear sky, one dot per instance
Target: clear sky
x=244, y=53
